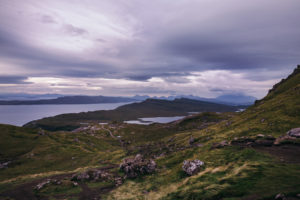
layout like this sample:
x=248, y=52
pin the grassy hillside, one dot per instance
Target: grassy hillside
x=231, y=172
x=148, y=108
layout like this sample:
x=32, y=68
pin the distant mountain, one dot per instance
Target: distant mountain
x=238, y=99
x=70, y=100
x=24, y=96
x=147, y=108
x=228, y=99
x=31, y=99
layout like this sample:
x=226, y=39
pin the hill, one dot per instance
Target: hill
x=70, y=100
x=148, y=108
x=246, y=155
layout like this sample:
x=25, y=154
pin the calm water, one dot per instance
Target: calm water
x=150, y=120
x=21, y=114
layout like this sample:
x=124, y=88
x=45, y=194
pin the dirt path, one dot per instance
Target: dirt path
x=285, y=153
x=26, y=191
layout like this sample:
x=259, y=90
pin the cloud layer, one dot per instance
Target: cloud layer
x=204, y=47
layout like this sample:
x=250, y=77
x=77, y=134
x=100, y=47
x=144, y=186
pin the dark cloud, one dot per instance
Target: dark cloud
x=138, y=40
x=13, y=80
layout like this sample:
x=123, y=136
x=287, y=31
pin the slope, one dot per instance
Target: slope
x=148, y=108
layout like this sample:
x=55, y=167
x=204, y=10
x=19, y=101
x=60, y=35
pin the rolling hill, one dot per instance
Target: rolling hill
x=246, y=155
x=147, y=108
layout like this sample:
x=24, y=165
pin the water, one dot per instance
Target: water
x=21, y=114
x=151, y=120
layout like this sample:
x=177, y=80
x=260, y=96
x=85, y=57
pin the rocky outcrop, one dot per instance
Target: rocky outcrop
x=295, y=132
x=93, y=175
x=134, y=167
x=192, y=167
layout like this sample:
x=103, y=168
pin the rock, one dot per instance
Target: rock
x=281, y=139
x=280, y=196
x=298, y=195
x=191, y=141
x=42, y=184
x=192, y=167
x=118, y=181
x=260, y=136
x=262, y=120
x=134, y=167
x=295, y=132
x=75, y=184
x=93, y=174
x=4, y=165
x=199, y=145
x=76, y=140
x=220, y=144
x=228, y=123
x=243, y=141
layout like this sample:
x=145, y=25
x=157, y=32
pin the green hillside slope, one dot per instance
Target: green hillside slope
x=238, y=149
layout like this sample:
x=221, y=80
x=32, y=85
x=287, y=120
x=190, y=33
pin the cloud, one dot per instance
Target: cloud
x=175, y=42
x=13, y=80
x=74, y=31
x=47, y=19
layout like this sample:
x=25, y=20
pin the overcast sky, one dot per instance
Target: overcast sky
x=166, y=47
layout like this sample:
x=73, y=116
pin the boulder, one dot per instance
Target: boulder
x=134, y=167
x=295, y=132
x=192, y=167
x=280, y=196
x=42, y=184
x=220, y=144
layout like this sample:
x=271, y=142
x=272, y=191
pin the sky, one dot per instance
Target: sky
x=158, y=48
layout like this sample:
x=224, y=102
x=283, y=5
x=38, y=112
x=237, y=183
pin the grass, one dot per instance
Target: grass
x=229, y=173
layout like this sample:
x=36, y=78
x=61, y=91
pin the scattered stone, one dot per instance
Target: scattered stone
x=41, y=132
x=4, y=165
x=192, y=167
x=76, y=140
x=295, y=132
x=243, y=141
x=282, y=139
x=280, y=196
x=118, y=181
x=42, y=184
x=134, y=167
x=260, y=136
x=199, y=145
x=192, y=140
x=262, y=120
x=220, y=144
x=228, y=123
x=93, y=174
x=75, y=184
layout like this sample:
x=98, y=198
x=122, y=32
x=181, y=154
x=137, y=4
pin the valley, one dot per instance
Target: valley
x=252, y=154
